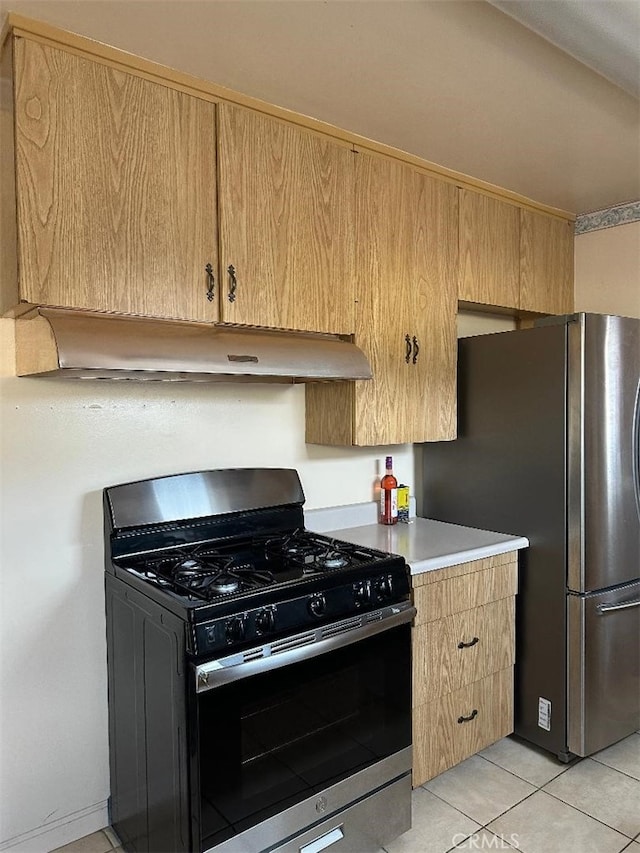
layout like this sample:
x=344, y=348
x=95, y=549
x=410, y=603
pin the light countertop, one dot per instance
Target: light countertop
x=427, y=545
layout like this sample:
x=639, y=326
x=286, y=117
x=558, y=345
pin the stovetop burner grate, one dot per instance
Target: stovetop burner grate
x=210, y=571
x=201, y=572
x=311, y=553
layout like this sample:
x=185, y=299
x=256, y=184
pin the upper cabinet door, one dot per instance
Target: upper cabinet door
x=546, y=263
x=434, y=354
x=285, y=204
x=489, y=250
x=406, y=234
x=115, y=188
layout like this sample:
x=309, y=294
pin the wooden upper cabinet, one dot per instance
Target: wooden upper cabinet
x=514, y=258
x=421, y=228
x=116, y=188
x=546, y=258
x=286, y=217
x=489, y=250
x=406, y=278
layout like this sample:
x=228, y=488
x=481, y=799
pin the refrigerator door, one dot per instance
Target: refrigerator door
x=507, y=471
x=603, y=506
x=604, y=668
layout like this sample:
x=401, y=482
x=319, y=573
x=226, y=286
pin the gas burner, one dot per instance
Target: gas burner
x=308, y=553
x=189, y=565
x=222, y=583
x=188, y=569
x=333, y=560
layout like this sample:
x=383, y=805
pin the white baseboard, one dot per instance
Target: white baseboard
x=69, y=828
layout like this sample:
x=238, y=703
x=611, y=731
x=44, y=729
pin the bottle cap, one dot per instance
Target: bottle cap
x=389, y=462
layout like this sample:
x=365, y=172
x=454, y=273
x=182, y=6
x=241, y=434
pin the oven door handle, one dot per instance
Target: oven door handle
x=299, y=647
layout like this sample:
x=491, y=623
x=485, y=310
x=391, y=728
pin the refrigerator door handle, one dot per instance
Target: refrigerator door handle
x=623, y=605
x=636, y=449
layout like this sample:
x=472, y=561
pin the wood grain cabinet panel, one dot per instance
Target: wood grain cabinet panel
x=546, y=263
x=116, y=188
x=514, y=258
x=462, y=648
x=406, y=269
x=489, y=250
x=455, y=595
x=286, y=201
x=460, y=724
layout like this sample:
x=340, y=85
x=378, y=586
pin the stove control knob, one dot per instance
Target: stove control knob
x=235, y=629
x=362, y=593
x=317, y=605
x=384, y=587
x=265, y=621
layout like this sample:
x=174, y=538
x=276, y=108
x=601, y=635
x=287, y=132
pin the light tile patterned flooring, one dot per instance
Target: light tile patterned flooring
x=513, y=796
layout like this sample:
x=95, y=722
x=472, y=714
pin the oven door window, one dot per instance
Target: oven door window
x=271, y=740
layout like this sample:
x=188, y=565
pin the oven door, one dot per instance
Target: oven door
x=279, y=729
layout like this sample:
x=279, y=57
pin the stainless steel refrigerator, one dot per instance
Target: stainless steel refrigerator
x=548, y=447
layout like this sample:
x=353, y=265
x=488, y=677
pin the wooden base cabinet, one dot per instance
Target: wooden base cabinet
x=463, y=657
x=460, y=724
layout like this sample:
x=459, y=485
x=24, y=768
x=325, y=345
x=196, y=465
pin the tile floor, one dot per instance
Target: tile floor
x=512, y=796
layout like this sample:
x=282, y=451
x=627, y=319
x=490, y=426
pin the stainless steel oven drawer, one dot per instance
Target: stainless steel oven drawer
x=365, y=826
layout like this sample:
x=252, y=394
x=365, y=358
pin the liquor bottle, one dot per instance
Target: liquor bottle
x=388, y=495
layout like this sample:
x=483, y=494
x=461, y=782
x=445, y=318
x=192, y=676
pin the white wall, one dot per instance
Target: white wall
x=607, y=270
x=62, y=442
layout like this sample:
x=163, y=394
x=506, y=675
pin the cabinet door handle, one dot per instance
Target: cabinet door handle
x=462, y=645
x=407, y=355
x=211, y=282
x=233, y=283
x=416, y=349
x=471, y=716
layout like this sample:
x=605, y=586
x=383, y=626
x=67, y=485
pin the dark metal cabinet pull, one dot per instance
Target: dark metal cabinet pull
x=462, y=645
x=471, y=716
x=407, y=355
x=233, y=282
x=416, y=349
x=211, y=282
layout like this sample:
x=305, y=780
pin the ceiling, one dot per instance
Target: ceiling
x=457, y=82
x=603, y=34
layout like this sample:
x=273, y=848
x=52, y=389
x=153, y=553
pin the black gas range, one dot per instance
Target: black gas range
x=242, y=576
x=224, y=611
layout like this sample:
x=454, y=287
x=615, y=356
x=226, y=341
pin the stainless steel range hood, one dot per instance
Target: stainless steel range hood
x=85, y=345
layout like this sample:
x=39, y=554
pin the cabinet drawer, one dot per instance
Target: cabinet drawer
x=462, y=648
x=433, y=601
x=459, y=724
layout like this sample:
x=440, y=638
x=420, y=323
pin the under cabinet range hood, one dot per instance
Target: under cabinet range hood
x=86, y=345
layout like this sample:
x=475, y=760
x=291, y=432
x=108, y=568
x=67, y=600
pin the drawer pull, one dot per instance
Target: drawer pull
x=324, y=841
x=471, y=716
x=462, y=645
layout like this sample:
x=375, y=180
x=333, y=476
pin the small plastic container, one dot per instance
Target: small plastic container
x=403, y=503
